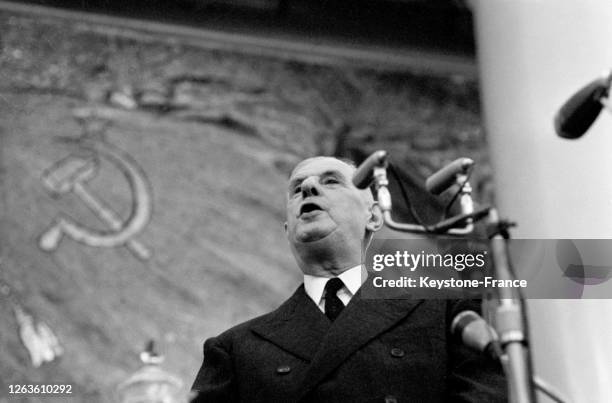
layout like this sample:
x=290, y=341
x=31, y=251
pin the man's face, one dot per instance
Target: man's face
x=324, y=204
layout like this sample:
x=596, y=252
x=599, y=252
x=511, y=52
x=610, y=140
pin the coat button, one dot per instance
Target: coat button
x=390, y=399
x=283, y=369
x=397, y=352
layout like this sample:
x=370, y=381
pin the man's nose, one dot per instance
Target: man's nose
x=309, y=187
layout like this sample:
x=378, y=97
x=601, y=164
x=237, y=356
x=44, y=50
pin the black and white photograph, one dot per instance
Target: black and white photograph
x=300, y=201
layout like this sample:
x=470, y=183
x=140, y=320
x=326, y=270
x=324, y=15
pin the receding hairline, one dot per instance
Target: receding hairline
x=346, y=161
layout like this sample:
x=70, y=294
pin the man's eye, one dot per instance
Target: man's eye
x=330, y=181
x=297, y=190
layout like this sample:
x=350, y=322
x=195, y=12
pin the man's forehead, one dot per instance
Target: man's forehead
x=318, y=165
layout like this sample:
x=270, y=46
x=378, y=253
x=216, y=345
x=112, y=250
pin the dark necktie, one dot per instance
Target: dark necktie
x=333, y=305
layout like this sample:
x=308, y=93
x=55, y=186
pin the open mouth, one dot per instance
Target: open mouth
x=309, y=208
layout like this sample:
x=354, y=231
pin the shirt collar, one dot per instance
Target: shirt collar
x=315, y=285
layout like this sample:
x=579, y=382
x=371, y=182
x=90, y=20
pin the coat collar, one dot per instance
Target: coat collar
x=297, y=326
x=361, y=321
x=300, y=328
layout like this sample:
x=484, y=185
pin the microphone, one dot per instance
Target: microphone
x=441, y=180
x=363, y=175
x=580, y=111
x=474, y=332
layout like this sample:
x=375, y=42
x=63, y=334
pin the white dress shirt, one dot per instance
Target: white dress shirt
x=352, y=279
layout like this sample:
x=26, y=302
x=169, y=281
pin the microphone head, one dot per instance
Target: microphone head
x=461, y=320
x=579, y=112
x=445, y=177
x=473, y=331
x=363, y=174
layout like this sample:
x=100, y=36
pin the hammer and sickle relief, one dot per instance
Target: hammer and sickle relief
x=70, y=175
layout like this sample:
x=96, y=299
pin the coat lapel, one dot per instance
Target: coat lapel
x=297, y=326
x=361, y=321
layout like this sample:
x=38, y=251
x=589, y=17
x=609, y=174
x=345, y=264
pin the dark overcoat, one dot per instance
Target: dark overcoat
x=375, y=351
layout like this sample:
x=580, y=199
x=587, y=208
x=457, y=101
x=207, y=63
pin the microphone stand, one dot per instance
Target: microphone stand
x=605, y=99
x=510, y=317
x=461, y=224
x=510, y=314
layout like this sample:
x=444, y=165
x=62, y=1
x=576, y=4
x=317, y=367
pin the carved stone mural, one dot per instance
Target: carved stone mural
x=70, y=175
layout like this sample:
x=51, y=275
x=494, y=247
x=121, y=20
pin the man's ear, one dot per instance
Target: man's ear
x=375, y=221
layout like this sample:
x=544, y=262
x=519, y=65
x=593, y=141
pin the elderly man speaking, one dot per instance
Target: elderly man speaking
x=326, y=343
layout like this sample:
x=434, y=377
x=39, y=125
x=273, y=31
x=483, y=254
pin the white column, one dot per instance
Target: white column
x=533, y=54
